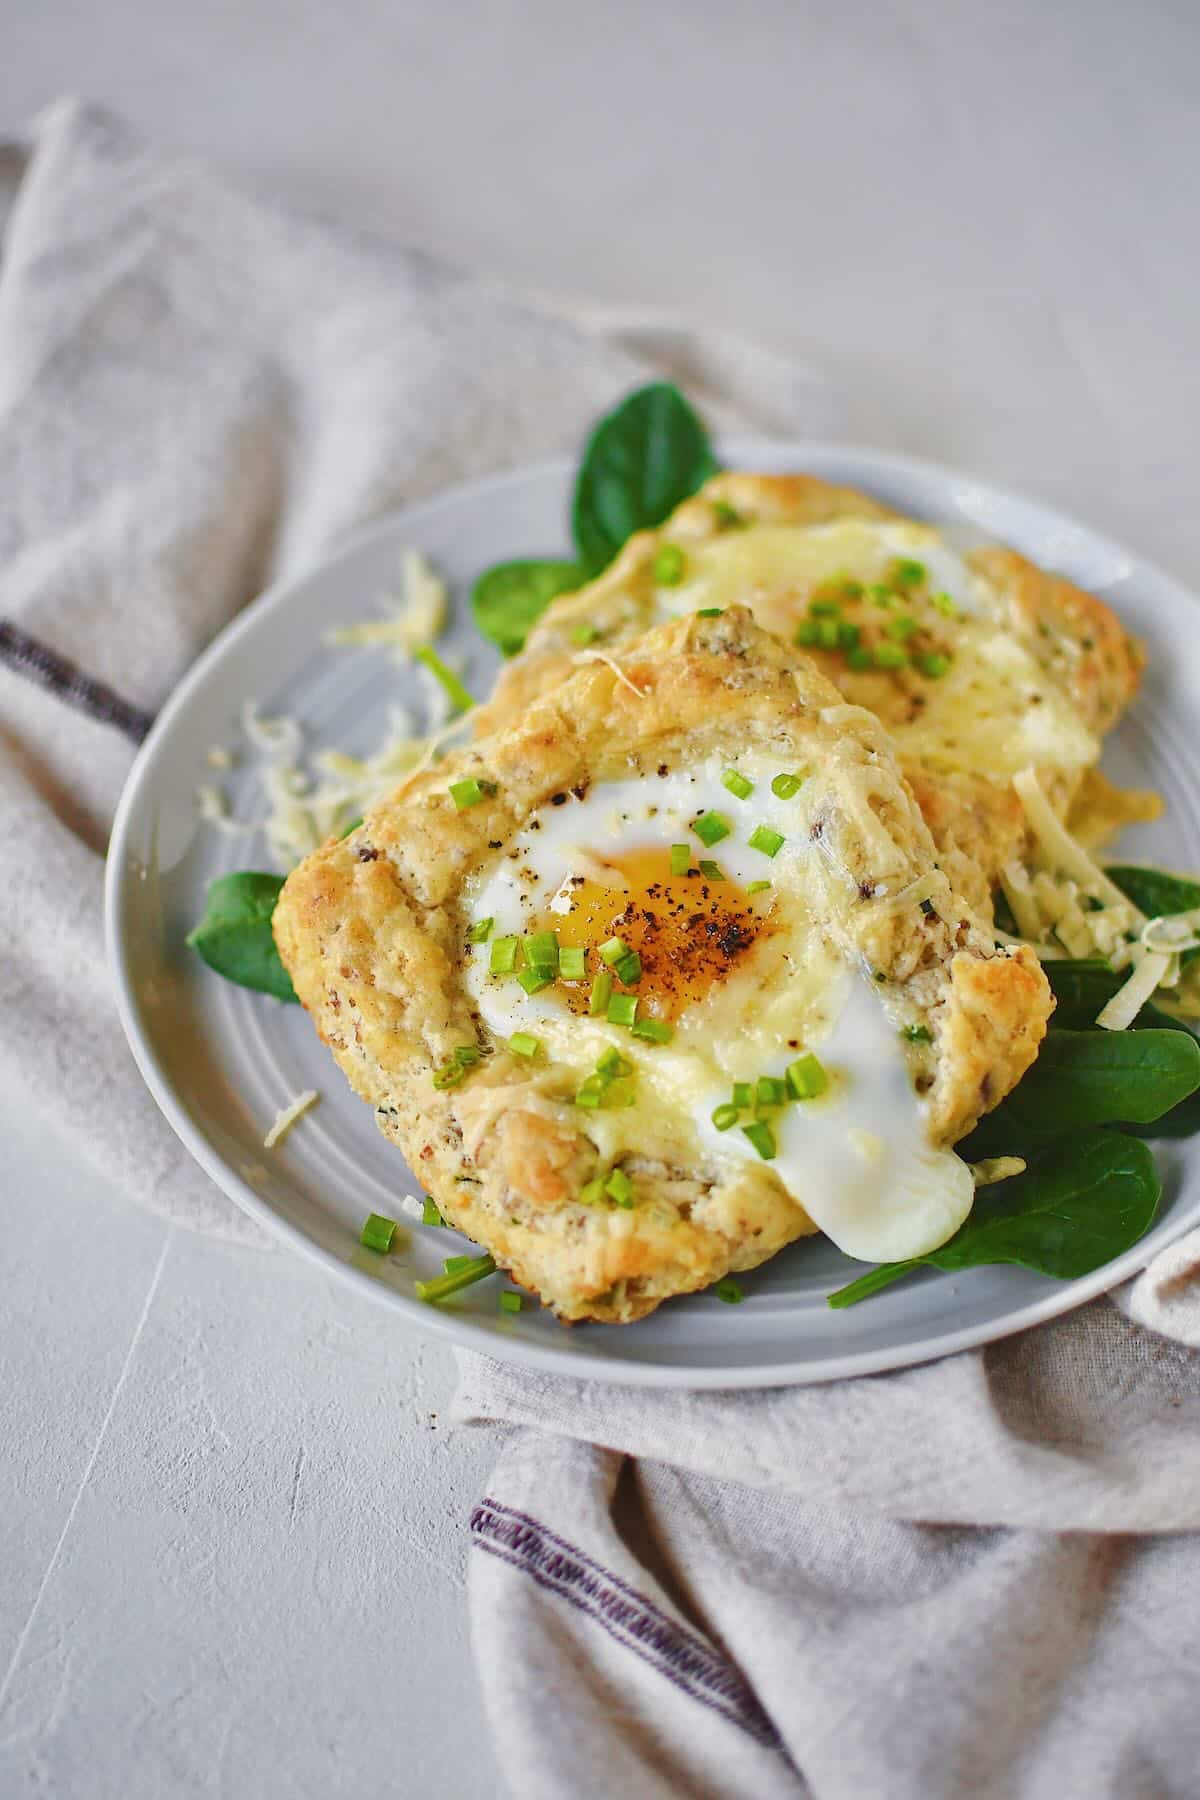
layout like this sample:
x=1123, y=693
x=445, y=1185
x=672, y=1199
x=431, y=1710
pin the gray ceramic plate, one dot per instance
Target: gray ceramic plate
x=221, y=1061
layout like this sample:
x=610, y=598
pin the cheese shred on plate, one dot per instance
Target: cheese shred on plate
x=286, y=1118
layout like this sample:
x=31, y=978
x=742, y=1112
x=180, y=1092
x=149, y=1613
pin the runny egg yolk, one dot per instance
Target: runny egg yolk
x=690, y=931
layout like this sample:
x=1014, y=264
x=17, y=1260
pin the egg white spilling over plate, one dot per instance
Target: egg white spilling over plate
x=729, y=954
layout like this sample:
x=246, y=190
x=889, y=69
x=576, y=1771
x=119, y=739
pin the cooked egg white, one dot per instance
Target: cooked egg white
x=749, y=983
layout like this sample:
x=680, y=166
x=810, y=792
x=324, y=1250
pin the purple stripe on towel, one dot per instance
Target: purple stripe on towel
x=630, y=1618
x=55, y=673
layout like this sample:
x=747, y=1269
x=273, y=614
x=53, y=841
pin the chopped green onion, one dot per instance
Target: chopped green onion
x=757, y=887
x=629, y=968
x=726, y=517
x=600, y=995
x=592, y=1192
x=766, y=839
x=460, y=697
x=729, y=1291
x=611, y=1062
x=613, y=949
x=622, y=1009
x=743, y=1094
x=584, y=634
x=848, y=636
x=725, y=1116
x=889, y=656
x=377, y=1233
x=770, y=1090
x=503, y=957
x=709, y=612
x=452, y=1264
x=882, y=596
x=467, y=1054
x=351, y=827
x=710, y=828
x=917, y=1034
x=441, y=1288
x=592, y=1091
x=429, y=1212
x=572, y=963
x=681, y=859
x=481, y=931
x=711, y=871
x=934, y=665
x=853, y=590
x=534, y=980
x=944, y=604
x=806, y=1077
x=469, y=792
x=523, y=1043
x=785, y=786
x=906, y=573
x=762, y=1137
x=668, y=566
x=806, y=633
x=902, y=628
x=737, y=783
x=655, y=1031
x=860, y=658
x=510, y=1301
x=541, y=949
x=448, y=1076
x=827, y=633
x=620, y=1093
x=619, y=1187
x=825, y=608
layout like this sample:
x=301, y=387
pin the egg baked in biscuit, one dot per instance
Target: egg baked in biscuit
x=663, y=976
x=979, y=663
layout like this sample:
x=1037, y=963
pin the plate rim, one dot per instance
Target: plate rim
x=460, y=1328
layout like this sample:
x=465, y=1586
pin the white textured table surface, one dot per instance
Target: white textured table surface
x=231, y=1521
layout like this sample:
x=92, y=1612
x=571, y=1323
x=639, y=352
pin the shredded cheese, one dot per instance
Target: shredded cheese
x=997, y=1168
x=609, y=663
x=413, y=617
x=286, y=1118
x=1129, y=1000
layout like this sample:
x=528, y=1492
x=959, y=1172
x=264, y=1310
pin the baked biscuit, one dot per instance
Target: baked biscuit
x=663, y=976
x=980, y=664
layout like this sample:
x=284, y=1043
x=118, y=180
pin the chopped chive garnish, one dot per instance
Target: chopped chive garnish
x=743, y=1094
x=510, y=1301
x=612, y=950
x=600, y=995
x=460, y=697
x=934, y=665
x=881, y=595
x=889, y=656
x=584, y=634
x=534, y=980
x=668, y=566
x=618, y=1187
x=729, y=1291
x=681, y=859
x=591, y=1093
x=622, y=1009
x=592, y=1192
x=737, y=784
x=825, y=608
x=377, y=1233
x=655, y=1031
x=785, y=786
x=481, y=931
x=827, y=633
x=429, y=1212
x=448, y=1076
x=726, y=517
x=503, y=957
x=766, y=839
x=442, y=1286
x=757, y=887
x=572, y=963
x=944, y=604
x=853, y=590
x=906, y=573
x=917, y=1034
x=806, y=1077
x=452, y=1264
x=725, y=1116
x=523, y=1043
x=902, y=628
x=709, y=612
x=465, y=1055
x=629, y=968
x=848, y=636
x=351, y=828
x=762, y=1137
x=860, y=658
x=711, y=871
x=541, y=949
x=806, y=632
x=611, y=1062
x=470, y=791
x=710, y=828
x=770, y=1090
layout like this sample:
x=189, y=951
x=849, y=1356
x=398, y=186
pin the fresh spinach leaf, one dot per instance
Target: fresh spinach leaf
x=1082, y=1202
x=1084, y=1078
x=508, y=599
x=234, y=936
x=1083, y=990
x=640, y=462
x=1156, y=893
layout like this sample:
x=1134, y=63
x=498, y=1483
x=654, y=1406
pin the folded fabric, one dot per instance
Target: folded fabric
x=972, y=1578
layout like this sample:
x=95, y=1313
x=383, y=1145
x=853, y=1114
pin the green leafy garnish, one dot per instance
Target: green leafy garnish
x=641, y=460
x=1080, y=1204
x=1156, y=893
x=508, y=600
x=234, y=936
